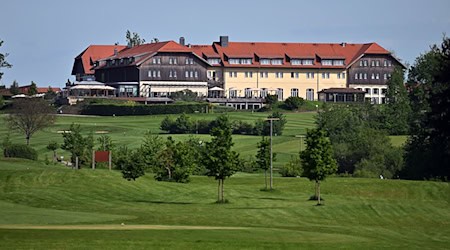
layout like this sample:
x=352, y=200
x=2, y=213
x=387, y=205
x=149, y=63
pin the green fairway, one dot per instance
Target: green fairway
x=55, y=207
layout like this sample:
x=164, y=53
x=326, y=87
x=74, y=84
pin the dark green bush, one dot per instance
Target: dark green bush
x=121, y=110
x=292, y=169
x=20, y=151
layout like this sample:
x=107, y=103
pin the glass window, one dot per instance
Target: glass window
x=196, y=74
x=338, y=62
x=186, y=74
x=375, y=91
x=377, y=76
x=365, y=76
x=191, y=74
x=308, y=62
x=264, y=61
x=233, y=93
x=294, y=92
x=327, y=62
x=383, y=91
x=296, y=62
x=159, y=73
x=356, y=76
x=310, y=94
x=280, y=93
x=263, y=92
x=277, y=61
x=149, y=73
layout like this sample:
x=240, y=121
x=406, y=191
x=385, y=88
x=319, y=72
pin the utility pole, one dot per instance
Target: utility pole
x=271, y=152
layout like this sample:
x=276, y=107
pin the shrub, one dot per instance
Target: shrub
x=244, y=128
x=293, y=103
x=139, y=109
x=292, y=169
x=20, y=151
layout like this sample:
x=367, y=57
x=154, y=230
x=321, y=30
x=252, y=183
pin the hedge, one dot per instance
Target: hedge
x=20, y=151
x=121, y=110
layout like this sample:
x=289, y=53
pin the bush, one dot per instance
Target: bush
x=20, y=151
x=123, y=109
x=222, y=109
x=292, y=169
x=293, y=103
x=244, y=128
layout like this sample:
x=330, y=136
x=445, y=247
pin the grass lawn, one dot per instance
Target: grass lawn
x=79, y=209
x=129, y=130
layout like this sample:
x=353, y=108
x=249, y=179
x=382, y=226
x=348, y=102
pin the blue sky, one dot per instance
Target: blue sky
x=43, y=37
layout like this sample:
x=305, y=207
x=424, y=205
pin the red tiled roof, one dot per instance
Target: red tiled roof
x=94, y=53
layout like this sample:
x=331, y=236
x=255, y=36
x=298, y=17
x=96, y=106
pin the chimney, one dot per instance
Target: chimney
x=343, y=44
x=182, y=41
x=115, y=51
x=224, y=41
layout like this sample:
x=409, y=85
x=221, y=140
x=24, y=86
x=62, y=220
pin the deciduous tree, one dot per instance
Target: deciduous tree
x=263, y=157
x=29, y=116
x=133, y=39
x=317, y=159
x=219, y=159
x=3, y=62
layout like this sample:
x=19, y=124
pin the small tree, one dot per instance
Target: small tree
x=220, y=161
x=126, y=161
x=149, y=150
x=29, y=116
x=263, y=157
x=106, y=143
x=78, y=145
x=14, y=88
x=33, y=89
x=271, y=100
x=133, y=39
x=317, y=158
x=53, y=146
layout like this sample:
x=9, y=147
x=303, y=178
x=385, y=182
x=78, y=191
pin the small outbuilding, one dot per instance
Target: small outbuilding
x=342, y=95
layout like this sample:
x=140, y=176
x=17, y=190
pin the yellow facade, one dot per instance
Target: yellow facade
x=274, y=79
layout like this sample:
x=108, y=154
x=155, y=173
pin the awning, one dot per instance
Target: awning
x=216, y=89
x=90, y=87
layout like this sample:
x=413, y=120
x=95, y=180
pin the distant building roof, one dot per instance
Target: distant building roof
x=92, y=54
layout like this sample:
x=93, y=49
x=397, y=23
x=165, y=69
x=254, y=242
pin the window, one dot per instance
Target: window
x=296, y=62
x=343, y=75
x=385, y=76
x=338, y=62
x=327, y=62
x=213, y=61
x=170, y=61
x=191, y=74
x=280, y=93
x=149, y=73
x=360, y=76
x=279, y=74
x=154, y=60
x=377, y=63
x=310, y=75
x=264, y=61
x=233, y=93
x=377, y=76
x=389, y=63
x=294, y=92
x=383, y=91
x=326, y=75
x=263, y=92
x=365, y=76
x=246, y=61
x=248, y=92
x=356, y=76
x=310, y=94
x=196, y=74
x=174, y=74
x=154, y=73
x=277, y=61
x=159, y=73
x=365, y=63
x=189, y=61
x=361, y=63
x=375, y=91
x=372, y=76
x=248, y=74
x=385, y=63
x=170, y=73
x=372, y=63
x=240, y=61
x=308, y=62
x=367, y=90
x=294, y=74
x=186, y=74
x=389, y=76
x=264, y=74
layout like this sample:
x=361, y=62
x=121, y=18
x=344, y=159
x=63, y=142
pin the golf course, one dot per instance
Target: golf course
x=52, y=206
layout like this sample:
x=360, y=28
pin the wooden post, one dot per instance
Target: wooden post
x=76, y=162
x=110, y=159
x=93, y=159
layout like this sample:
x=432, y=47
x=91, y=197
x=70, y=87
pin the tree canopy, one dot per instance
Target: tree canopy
x=3, y=62
x=133, y=39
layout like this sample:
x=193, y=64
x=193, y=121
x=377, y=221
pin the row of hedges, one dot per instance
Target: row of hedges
x=120, y=110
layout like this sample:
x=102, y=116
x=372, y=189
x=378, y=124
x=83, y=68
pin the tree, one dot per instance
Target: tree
x=149, y=150
x=126, y=161
x=317, y=159
x=262, y=127
x=133, y=39
x=186, y=95
x=33, y=89
x=2, y=102
x=77, y=145
x=263, y=157
x=397, y=109
x=220, y=161
x=29, y=116
x=106, y=143
x=294, y=102
x=428, y=149
x=3, y=62
x=53, y=146
x=50, y=94
x=271, y=100
x=14, y=88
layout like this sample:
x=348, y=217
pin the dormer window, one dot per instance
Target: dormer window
x=296, y=62
x=213, y=61
x=338, y=62
x=264, y=61
x=327, y=62
x=240, y=61
x=277, y=61
x=307, y=61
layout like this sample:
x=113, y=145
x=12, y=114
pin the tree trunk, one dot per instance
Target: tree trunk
x=315, y=190
x=169, y=173
x=318, y=192
x=28, y=140
x=218, y=190
x=265, y=177
x=54, y=156
x=221, y=192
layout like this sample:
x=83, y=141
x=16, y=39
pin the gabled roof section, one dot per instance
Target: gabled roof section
x=94, y=53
